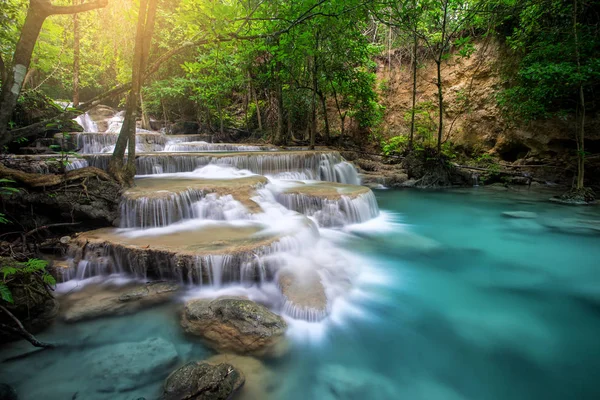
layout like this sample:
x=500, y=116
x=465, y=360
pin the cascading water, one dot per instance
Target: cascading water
x=322, y=166
x=208, y=220
x=339, y=212
x=87, y=123
x=208, y=147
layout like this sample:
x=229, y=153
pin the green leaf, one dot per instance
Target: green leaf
x=49, y=279
x=7, y=271
x=5, y=293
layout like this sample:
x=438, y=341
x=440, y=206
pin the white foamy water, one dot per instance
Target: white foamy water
x=294, y=222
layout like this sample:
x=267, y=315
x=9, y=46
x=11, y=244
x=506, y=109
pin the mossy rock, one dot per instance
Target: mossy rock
x=236, y=325
x=202, y=381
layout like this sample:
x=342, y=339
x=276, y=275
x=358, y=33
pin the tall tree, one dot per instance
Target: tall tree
x=76, y=55
x=580, y=131
x=37, y=13
x=121, y=171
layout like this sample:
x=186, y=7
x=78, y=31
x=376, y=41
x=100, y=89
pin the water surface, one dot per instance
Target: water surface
x=456, y=301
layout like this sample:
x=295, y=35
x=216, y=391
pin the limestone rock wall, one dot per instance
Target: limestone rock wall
x=471, y=86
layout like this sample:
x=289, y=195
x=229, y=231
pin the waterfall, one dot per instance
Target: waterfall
x=208, y=147
x=475, y=178
x=323, y=166
x=333, y=213
x=76, y=164
x=86, y=122
x=94, y=143
x=219, y=214
x=152, y=212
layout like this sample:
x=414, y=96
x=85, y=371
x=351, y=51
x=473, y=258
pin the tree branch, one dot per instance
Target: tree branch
x=92, y=5
x=21, y=331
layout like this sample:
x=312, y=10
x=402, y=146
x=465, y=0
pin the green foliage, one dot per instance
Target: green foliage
x=395, y=145
x=545, y=82
x=425, y=121
x=23, y=271
x=5, y=293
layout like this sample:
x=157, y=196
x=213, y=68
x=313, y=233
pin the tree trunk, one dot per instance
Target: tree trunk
x=145, y=117
x=145, y=27
x=280, y=137
x=220, y=111
x=290, y=127
x=438, y=63
x=326, y=119
x=414, y=91
x=258, y=116
x=339, y=110
x=2, y=69
x=37, y=12
x=580, y=131
x=76, y=54
x=315, y=70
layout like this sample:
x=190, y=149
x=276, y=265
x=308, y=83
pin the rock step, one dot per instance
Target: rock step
x=315, y=165
x=155, y=202
x=199, y=255
x=304, y=294
x=331, y=204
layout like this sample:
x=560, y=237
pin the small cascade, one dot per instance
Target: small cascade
x=475, y=178
x=342, y=211
x=116, y=123
x=76, y=164
x=248, y=262
x=93, y=143
x=323, y=166
x=208, y=147
x=87, y=123
x=220, y=208
x=169, y=208
x=152, y=212
x=346, y=173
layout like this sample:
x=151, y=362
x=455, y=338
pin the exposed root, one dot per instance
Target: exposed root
x=50, y=180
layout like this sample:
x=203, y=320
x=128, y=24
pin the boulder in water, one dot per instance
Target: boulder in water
x=304, y=294
x=126, y=366
x=7, y=392
x=235, y=324
x=202, y=381
x=94, y=302
x=259, y=380
x=573, y=226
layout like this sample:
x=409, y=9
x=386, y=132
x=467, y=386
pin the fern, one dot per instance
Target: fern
x=49, y=279
x=7, y=271
x=33, y=265
x=5, y=293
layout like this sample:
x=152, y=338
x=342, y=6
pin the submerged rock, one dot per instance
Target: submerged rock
x=259, y=380
x=126, y=366
x=573, y=226
x=202, y=381
x=304, y=294
x=336, y=382
x=109, y=301
x=235, y=324
x=520, y=214
x=7, y=392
